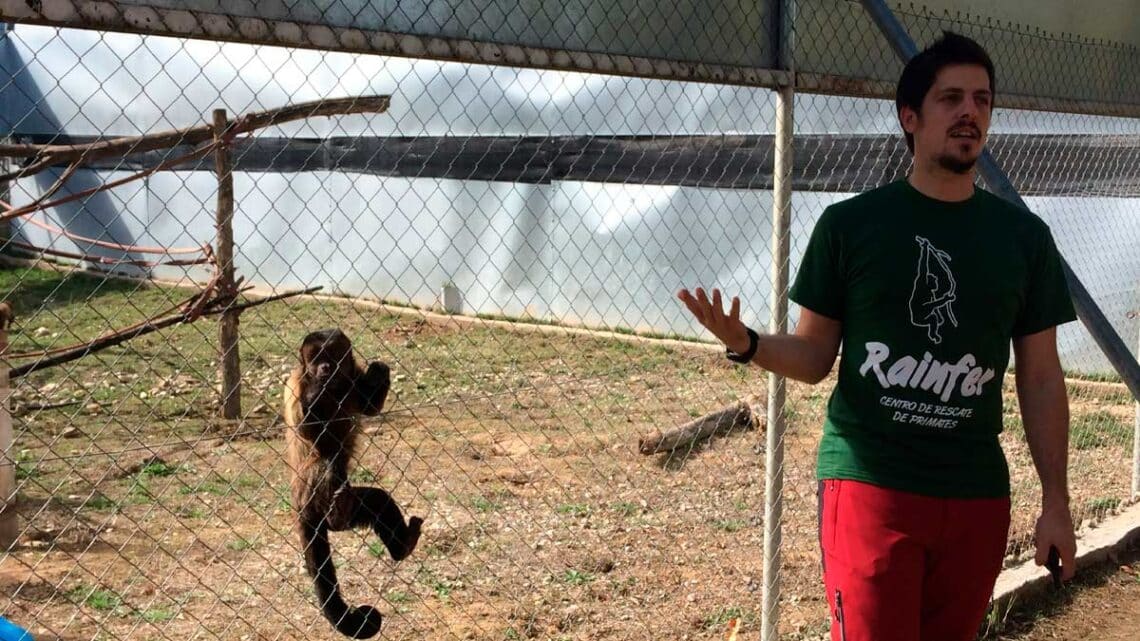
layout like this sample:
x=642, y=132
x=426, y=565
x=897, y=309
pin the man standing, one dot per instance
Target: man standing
x=925, y=281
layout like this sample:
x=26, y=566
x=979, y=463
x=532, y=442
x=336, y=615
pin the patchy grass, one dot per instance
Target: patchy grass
x=1099, y=429
x=576, y=577
x=721, y=617
x=95, y=598
x=157, y=615
x=730, y=525
x=25, y=466
x=573, y=509
x=518, y=448
x=240, y=544
x=626, y=508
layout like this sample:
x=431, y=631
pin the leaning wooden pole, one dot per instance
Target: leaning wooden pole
x=229, y=355
x=9, y=526
x=739, y=415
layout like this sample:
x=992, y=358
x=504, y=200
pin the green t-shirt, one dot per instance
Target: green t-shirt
x=929, y=294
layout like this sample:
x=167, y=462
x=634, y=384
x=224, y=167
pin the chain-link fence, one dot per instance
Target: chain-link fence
x=510, y=241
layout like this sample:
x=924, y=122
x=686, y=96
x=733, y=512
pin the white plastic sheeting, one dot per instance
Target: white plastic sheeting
x=599, y=254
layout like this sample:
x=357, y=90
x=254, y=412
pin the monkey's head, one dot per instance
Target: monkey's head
x=326, y=356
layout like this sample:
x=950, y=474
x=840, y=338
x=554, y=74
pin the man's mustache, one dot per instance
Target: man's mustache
x=966, y=128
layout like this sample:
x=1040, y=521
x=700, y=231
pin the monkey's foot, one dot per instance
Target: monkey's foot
x=412, y=537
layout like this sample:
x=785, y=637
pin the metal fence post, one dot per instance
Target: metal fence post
x=778, y=324
x=9, y=526
x=1136, y=428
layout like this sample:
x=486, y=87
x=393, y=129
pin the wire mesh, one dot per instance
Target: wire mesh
x=510, y=242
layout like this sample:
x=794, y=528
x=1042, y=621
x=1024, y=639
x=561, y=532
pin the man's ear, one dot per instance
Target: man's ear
x=909, y=119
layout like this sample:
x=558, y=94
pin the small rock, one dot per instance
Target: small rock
x=70, y=432
x=511, y=475
x=42, y=331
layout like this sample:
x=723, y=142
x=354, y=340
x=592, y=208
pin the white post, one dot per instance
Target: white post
x=9, y=525
x=1136, y=430
x=774, y=463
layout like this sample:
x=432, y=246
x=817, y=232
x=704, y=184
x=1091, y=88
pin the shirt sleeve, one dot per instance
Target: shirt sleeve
x=818, y=285
x=1047, y=301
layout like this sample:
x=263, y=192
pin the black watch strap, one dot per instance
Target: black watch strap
x=746, y=357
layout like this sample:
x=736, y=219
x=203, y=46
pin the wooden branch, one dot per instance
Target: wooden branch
x=57, y=154
x=140, y=330
x=739, y=415
x=106, y=260
x=79, y=195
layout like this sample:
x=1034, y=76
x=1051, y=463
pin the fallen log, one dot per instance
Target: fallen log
x=739, y=415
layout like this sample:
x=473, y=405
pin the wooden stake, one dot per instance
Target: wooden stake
x=229, y=355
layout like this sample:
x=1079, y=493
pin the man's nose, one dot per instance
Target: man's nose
x=969, y=112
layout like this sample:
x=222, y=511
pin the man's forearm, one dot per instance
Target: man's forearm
x=793, y=356
x=1045, y=414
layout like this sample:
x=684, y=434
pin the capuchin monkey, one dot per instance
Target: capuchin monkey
x=323, y=395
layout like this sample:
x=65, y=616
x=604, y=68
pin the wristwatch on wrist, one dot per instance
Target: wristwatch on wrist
x=745, y=357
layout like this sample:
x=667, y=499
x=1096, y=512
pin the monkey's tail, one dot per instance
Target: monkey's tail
x=359, y=622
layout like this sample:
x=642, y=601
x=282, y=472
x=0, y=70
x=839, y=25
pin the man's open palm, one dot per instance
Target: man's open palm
x=710, y=314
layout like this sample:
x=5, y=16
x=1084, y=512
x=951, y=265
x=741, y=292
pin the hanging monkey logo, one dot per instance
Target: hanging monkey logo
x=932, y=298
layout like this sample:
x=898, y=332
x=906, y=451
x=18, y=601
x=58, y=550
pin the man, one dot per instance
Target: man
x=925, y=281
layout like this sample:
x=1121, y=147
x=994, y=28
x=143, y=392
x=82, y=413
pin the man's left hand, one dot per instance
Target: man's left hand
x=1055, y=528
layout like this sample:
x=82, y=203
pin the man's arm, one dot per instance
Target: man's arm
x=807, y=355
x=1044, y=405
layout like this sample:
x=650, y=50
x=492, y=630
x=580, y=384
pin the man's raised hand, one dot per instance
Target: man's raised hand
x=726, y=327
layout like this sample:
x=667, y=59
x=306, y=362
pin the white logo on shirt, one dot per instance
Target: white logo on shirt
x=932, y=298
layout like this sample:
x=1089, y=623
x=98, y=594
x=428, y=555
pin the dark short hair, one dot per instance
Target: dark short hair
x=918, y=76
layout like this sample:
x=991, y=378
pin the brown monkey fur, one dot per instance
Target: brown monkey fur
x=323, y=395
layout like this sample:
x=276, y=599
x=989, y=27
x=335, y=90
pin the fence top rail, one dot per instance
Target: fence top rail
x=746, y=57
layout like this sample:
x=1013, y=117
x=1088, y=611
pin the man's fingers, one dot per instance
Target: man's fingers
x=702, y=298
x=693, y=306
x=1068, y=564
x=710, y=312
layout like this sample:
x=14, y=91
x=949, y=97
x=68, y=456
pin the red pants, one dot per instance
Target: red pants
x=904, y=567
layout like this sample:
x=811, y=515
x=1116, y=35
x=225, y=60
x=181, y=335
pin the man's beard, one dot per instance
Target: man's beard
x=956, y=165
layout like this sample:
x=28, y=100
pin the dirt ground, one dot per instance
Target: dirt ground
x=146, y=517
x=1101, y=604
